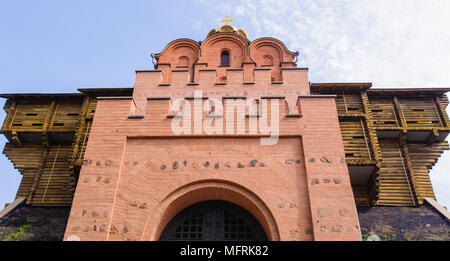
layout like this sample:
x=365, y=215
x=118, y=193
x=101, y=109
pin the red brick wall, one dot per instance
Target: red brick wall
x=138, y=174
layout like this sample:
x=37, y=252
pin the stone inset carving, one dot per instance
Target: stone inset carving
x=321, y=212
x=336, y=229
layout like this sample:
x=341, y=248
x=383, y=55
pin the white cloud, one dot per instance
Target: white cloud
x=389, y=43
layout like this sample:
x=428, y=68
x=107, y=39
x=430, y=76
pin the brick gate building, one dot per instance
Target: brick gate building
x=226, y=139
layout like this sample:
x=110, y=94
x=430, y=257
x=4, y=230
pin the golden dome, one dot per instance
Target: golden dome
x=228, y=29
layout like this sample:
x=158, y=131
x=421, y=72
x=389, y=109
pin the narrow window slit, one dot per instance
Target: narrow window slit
x=225, y=59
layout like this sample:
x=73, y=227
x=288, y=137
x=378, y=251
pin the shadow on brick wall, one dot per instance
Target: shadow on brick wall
x=422, y=223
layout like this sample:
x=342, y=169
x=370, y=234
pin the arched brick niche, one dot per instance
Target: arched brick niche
x=178, y=54
x=183, y=62
x=270, y=52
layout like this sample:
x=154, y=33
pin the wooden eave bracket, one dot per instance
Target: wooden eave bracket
x=432, y=138
x=15, y=138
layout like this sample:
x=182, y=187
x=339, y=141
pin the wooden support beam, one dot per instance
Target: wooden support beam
x=441, y=106
x=84, y=110
x=16, y=139
x=47, y=124
x=395, y=112
x=345, y=102
x=11, y=111
x=438, y=113
x=365, y=140
x=84, y=144
x=400, y=113
x=433, y=136
x=14, y=113
x=373, y=138
x=418, y=199
x=37, y=176
x=408, y=170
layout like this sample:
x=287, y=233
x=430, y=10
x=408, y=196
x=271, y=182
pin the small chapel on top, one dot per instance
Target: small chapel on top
x=227, y=139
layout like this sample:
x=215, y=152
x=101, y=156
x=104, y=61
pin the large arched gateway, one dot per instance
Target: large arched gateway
x=214, y=220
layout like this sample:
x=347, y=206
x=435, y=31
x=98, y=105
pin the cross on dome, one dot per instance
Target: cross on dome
x=226, y=20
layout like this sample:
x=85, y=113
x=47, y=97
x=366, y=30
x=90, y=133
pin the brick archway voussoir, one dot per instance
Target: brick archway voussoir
x=204, y=190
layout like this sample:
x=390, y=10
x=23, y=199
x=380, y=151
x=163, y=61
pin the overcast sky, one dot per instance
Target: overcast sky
x=59, y=46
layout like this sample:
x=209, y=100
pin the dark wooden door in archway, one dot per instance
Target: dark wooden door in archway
x=213, y=221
